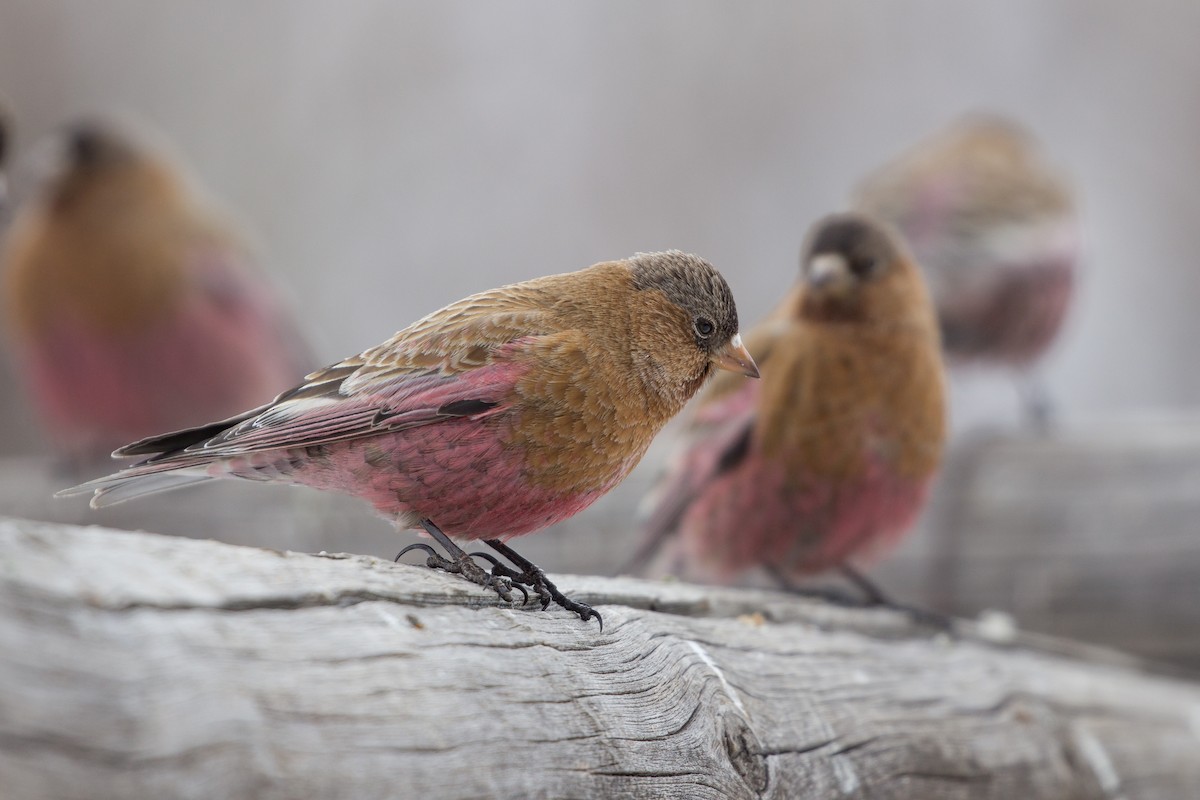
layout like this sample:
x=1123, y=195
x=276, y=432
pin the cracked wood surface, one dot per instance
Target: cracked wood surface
x=135, y=665
x=1089, y=533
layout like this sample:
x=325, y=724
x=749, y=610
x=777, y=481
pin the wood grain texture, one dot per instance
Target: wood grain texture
x=1092, y=533
x=136, y=665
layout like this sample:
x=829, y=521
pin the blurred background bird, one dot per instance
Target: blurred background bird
x=831, y=454
x=496, y=416
x=995, y=229
x=131, y=307
x=5, y=148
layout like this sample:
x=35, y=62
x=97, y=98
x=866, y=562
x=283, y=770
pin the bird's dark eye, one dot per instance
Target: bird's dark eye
x=865, y=265
x=705, y=327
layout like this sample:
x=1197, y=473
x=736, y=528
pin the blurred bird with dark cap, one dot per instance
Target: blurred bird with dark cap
x=496, y=416
x=131, y=306
x=994, y=227
x=829, y=456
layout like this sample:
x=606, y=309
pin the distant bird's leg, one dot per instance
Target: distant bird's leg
x=532, y=576
x=874, y=596
x=834, y=596
x=460, y=562
x=1036, y=403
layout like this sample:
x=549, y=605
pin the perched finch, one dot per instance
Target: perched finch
x=994, y=228
x=131, y=310
x=498, y=415
x=832, y=452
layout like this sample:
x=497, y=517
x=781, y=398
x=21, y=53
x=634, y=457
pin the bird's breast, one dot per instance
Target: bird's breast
x=581, y=422
x=840, y=408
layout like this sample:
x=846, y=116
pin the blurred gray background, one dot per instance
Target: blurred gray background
x=389, y=157
x=392, y=156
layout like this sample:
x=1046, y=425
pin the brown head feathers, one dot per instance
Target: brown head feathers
x=695, y=286
x=857, y=269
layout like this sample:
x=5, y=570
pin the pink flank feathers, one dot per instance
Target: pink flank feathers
x=466, y=472
x=733, y=517
x=757, y=514
x=1015, y=317
x=224, y=348
x=463, y=473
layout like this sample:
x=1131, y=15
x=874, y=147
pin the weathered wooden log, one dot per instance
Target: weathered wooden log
x=137, y=665
x=1092, y=533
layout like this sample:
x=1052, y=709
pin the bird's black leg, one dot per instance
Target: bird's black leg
x=1037, y=405
x=532, y=576
x=874, y=596
x=460, y=563
x=838, y=597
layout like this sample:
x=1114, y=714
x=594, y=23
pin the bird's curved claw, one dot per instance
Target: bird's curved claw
x=535, y=578
x=418, y=546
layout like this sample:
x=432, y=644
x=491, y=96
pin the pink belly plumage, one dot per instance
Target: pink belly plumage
x=460, y=474
x=96, y=390
x=757, y=515
x=1015, y=320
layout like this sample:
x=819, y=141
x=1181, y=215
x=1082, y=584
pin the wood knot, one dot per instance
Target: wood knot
x=745, y=753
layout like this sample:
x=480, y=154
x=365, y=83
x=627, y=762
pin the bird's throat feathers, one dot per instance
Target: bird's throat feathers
x=640, y=330
x=898, y=300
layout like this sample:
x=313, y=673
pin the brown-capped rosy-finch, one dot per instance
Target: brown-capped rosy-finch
x=131, y=309
x=832, y=452
x=498, y=415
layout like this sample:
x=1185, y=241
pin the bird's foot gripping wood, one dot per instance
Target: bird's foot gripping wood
x=502, y=579
x=877, y=597
x=461, y=564
x=467, y=568
x=534, y=577
x=872, y=597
